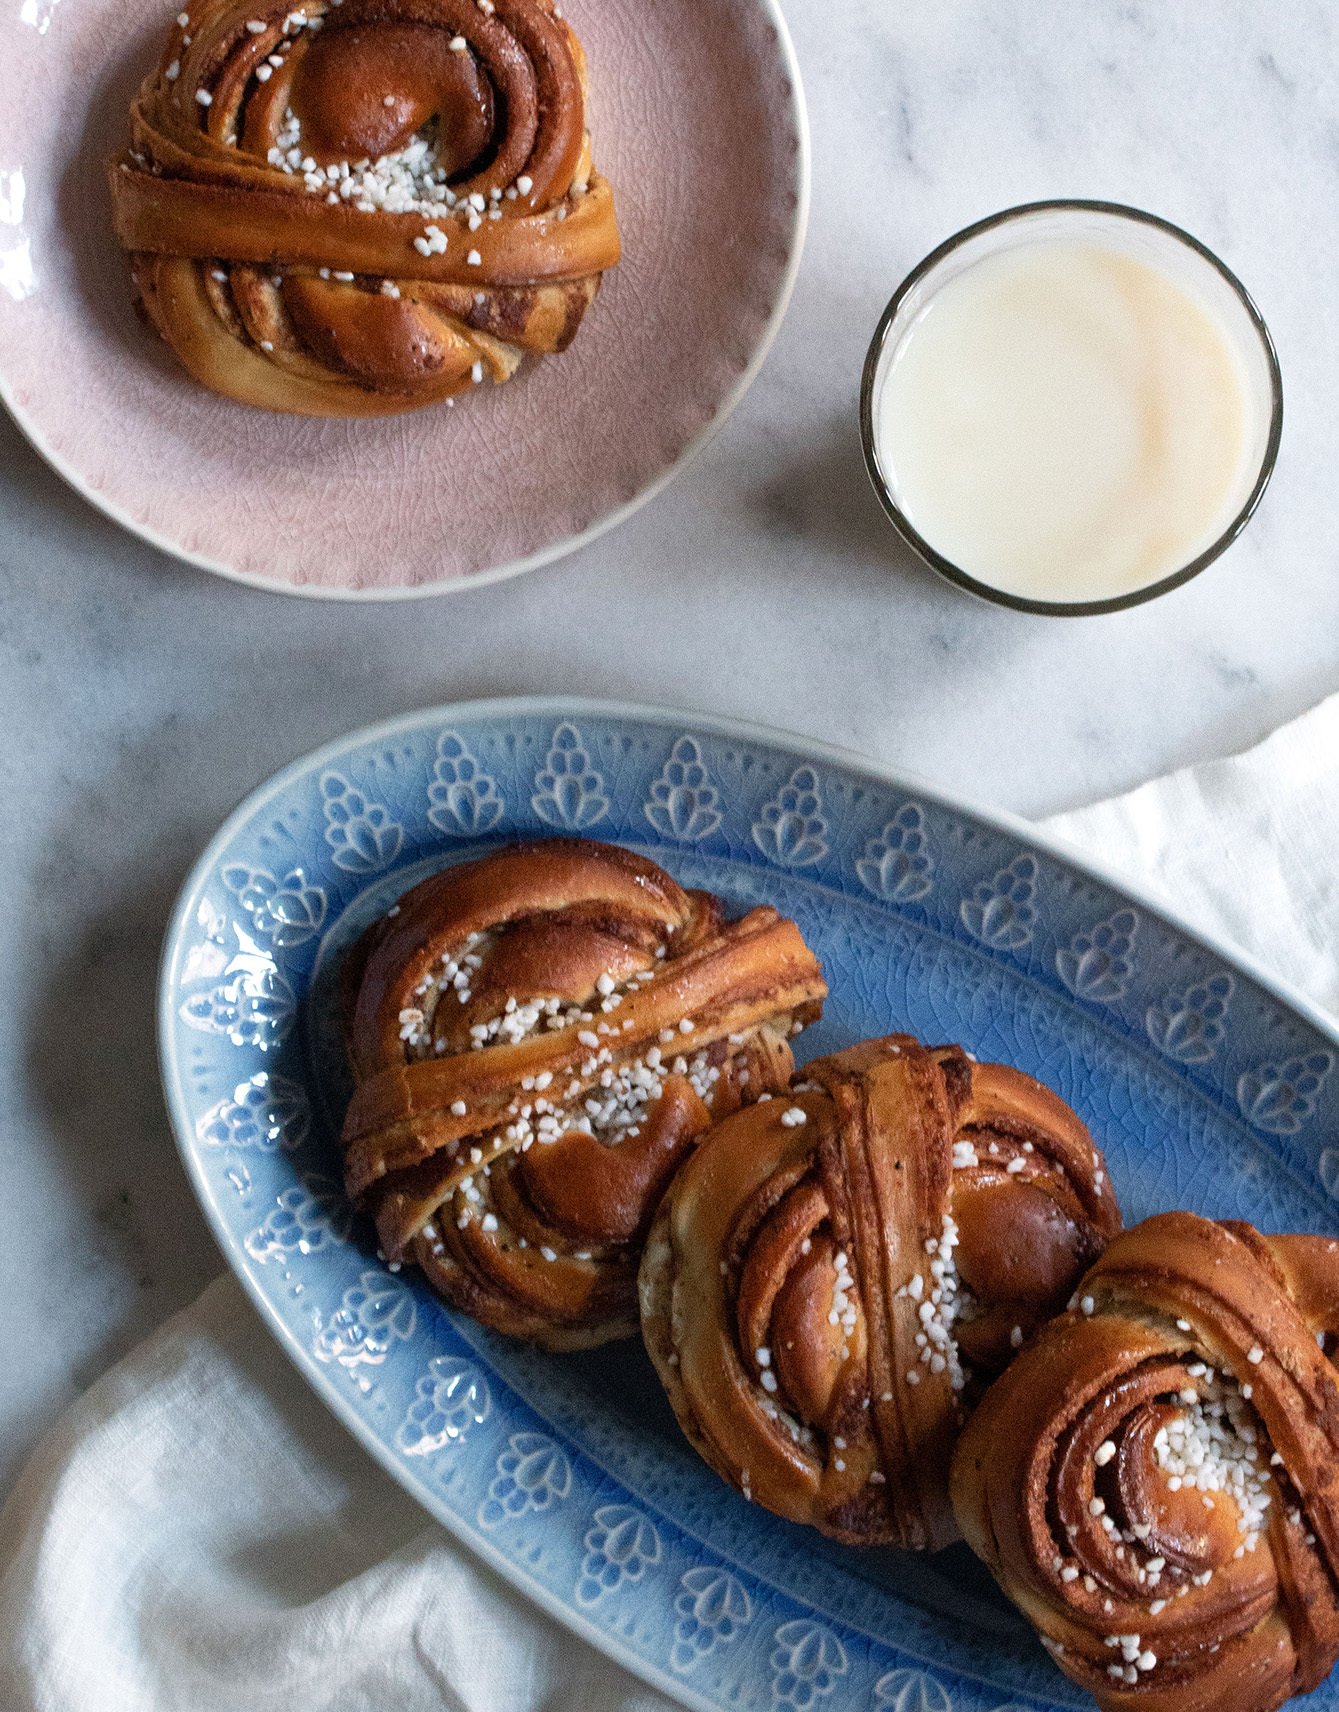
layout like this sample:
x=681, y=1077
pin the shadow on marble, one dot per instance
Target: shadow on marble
x=826, y=497
x=138, y=1248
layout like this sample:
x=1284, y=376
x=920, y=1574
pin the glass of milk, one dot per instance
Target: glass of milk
x=1071, y=407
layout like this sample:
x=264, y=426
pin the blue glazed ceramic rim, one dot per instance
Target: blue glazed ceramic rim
x=788, y=747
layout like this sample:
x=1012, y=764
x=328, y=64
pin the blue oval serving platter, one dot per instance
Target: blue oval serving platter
x=1206, y=1084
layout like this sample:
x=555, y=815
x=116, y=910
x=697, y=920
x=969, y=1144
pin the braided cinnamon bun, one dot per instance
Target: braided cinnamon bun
x=834, y=1272
x=358, y=207
x=1155, y=1480
x=537, y=1039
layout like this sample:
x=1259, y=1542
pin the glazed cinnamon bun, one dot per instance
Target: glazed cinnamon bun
x=836, y=1270
x=1155, y=1480
x=357, y=207
x=538, y=1038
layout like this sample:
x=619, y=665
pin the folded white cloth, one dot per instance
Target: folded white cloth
x=199, y=1535
x=1244, y=848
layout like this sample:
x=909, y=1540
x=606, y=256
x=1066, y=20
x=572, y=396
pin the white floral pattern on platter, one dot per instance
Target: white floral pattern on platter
x=287, y=911
x=1280, y=1098
x=806, y=1660
x=266, y=1111
x=1001, y=911
x=1189, y=1026
x=899, y=864
x=533, y=1474
x=569, y=788
x=208, y=958
x=684, y=804
x=253, y=1005
x=790, y=829
x=1098, y=963
x=465, y=800
x=237, y=1177
x=374, y=1314
x=712, y=1607
x=361, y=833
x=621, y=1545
x=910, y=1691
x=1328, y=1171
x=305, y=1218
x=449, y=1399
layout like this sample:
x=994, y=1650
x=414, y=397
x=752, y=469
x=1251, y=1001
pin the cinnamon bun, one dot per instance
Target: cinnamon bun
x=1155, y=1480
x=538, y=1038
x=358, y=207
x=835, y=1271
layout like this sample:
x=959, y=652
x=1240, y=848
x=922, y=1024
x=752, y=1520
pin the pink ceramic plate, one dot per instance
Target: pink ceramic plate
x=697, y=120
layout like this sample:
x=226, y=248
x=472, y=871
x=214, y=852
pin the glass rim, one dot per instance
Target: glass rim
x=953, y=573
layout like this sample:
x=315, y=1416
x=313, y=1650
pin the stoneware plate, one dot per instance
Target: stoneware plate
x=1207, y=1086
x=697, y=120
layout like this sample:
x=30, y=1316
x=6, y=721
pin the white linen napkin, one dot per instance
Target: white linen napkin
x=199, y=1535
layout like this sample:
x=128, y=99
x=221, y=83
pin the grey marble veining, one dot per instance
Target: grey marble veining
x=140, y=699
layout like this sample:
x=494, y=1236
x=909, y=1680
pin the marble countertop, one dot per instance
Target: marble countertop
x=140, y=699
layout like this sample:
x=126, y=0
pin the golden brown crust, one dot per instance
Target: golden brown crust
x=804, y=1288
x=244, y=268
x=1072, y=1483
x=537, y=1039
